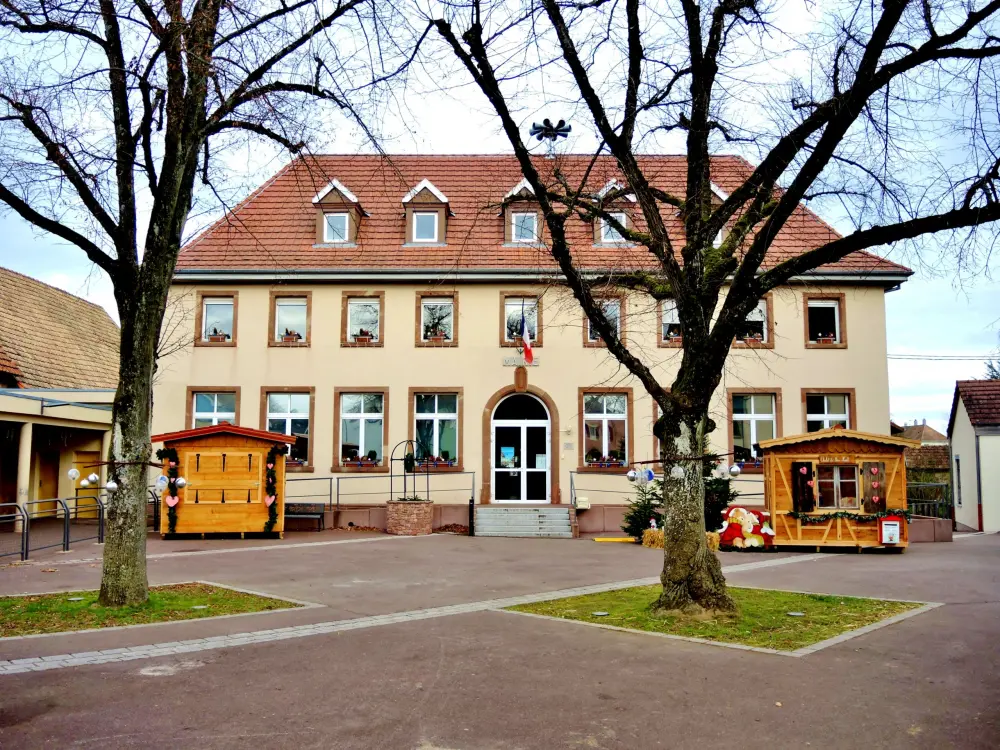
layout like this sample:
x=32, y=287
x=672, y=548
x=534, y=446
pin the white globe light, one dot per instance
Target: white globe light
x=73, y=474
x=93, y=479
x=648, y=475
x=111, y=486
x=84, y=483
x=181, y=482
x=734, y=470
x=161, y=481
x=677, y=472
x=632, y=475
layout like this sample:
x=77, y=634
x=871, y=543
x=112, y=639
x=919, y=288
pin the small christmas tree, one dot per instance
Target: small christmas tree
x=647, y=506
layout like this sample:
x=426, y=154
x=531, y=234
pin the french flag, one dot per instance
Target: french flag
x=526, y=339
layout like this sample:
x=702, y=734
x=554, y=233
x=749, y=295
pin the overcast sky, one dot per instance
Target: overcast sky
x=933, y=316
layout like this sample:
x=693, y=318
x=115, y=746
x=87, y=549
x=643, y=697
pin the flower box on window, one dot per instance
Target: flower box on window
x=290, y=337
x=755, y=337
x=435, y=462
x=605, y=462
x=363, y=336
x=826, y=339
x=216, y=336
x=675, y=338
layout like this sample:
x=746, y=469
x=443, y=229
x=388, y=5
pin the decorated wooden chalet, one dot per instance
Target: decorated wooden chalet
x=222, y=479
x=837, y=487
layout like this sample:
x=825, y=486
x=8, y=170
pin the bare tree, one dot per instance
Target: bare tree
x=112, y=111
x=883, y=86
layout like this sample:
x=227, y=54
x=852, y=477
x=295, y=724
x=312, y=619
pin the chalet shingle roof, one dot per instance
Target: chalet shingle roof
x=51, y=339
x=274, y=229
x=982, y=402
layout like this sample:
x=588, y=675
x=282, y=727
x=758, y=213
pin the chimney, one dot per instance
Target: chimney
x=925, y=421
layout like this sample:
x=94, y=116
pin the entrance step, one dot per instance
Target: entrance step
x=544, y=521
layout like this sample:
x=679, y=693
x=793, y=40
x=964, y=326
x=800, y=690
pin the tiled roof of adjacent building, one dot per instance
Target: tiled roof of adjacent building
x=928, y=457
x=275, y=229
x=924, y=433
x=981, y=399
x=51, y=339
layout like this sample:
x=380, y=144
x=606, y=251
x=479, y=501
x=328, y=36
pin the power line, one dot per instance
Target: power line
x=945, y=357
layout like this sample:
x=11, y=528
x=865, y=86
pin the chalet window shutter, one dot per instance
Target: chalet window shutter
x=874, y=485
x=803, y=496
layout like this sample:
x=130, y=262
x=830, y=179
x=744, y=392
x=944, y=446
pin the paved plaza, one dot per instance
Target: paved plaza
x=402, y=646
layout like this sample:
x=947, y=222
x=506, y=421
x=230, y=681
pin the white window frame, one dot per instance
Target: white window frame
x=437, y=232
x=668, y=316
x=205, y=302
x=825, y=303
x=513, y=227
x=438, y=416
x=362, y=417
x=326, y=227
x=827, y=416
x=514, y=303
x=353, y=302
x=592, y=335
x=753, y=417
x=604, y=418
x=215, y=415
x=605, y=227
x=437, y=302
x=837, y=480
x=289, y=415
x=280, y=302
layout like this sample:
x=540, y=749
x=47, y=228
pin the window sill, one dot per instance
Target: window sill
x=438, y=469
x=622, y=243
x=753, y=344
x=289, y=344
x=327, y=245
x=425, y=244
x=304, y=469
x=817, y=345
x=520, y=345
x=526, y=243
x=349, y=469
x=751, y=470
x=199, y=342
x=670, y=343
x=436, y=344
x=361, y=344
x=591, y=469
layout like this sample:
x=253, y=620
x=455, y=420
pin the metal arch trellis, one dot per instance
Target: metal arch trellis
x=409, y=461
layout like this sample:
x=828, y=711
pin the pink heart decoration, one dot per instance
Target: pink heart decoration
x=172, y=501
x=874, y=470
x=809, y=483
x=171, y=463
x=270, y=466
x=875, y=485
x=268, y=500
x=803, y=470
x=875, y=498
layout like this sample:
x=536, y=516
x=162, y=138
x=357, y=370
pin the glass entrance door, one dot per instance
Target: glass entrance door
x=520, y=461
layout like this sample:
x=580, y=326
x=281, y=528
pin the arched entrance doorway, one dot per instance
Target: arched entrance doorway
x=520, y=450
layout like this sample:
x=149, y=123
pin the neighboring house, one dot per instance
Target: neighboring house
x=357, y=301
x=974, y=434
x=928, y=463
x=58, y=374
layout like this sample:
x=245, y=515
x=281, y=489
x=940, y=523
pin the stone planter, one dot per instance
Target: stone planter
x=409, y=517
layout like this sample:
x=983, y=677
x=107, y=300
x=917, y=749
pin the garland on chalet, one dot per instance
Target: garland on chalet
x=813, y=518
x=271, y=486
x=170, y=456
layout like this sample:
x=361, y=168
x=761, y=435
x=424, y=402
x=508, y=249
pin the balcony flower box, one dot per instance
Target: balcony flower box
x=675, y=339
x=362, y=339
x=826, y=340
x=218, y=338
x=438, y=339
x=290, y=337
x=435, y=462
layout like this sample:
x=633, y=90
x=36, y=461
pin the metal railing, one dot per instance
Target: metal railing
x=625, y=489
x=339, y=490
x=12, y=515
x=322, y=493
x=931, y=499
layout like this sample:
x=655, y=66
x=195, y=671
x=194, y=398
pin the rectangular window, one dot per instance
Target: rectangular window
x=755, y=328
x=514, y=308
x=824, y=321
x=335, y=227
x=288, y=414
x=361, y=428
x=425, y=226
x=363, y=320
x=824, y=410
x=523, y=227
x=609, y=233
x=605, y=429
x=613, y=312
x=217, y=314
x=437, y=319
x=838, y=486
x=958, y=481
x=671, y=322
x=291, y=319
x=436, y=426
x=209, y=409
x=753, y=420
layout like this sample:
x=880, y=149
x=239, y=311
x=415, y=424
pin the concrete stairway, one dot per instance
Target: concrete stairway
x=539, y=521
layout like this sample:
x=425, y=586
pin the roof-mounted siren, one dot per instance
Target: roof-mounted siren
x=551, y=133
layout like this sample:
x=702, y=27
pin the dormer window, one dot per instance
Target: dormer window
x=425, y=226
x=524, y=227
x=336, y=227
x=609, y=233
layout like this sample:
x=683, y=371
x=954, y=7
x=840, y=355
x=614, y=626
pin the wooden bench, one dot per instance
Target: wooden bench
x=306, y=510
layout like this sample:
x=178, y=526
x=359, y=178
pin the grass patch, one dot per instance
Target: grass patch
x=55, y=613
x=762, y=619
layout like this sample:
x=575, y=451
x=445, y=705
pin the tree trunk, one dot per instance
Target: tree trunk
x=123, y=579
x=692, y=575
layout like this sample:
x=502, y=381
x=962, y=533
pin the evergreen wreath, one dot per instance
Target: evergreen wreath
x=170, y=456
x=811, y=518
x=271, y=485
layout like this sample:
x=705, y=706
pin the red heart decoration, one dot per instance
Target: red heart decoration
x=172, y=501
x=809, y=483
x=874, y=470
x=268, y=500
x=875, y=485
x=803, y=470
x=270, y=466
x=875, y=498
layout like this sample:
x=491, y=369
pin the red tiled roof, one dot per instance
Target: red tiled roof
x=981, y=399
x=274, y=229
x=934, y=457
x=223, y=428
x=924, y=433
x=51, y=339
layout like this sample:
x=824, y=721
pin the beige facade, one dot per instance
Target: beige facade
x=975, y=461
x=481, y=369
